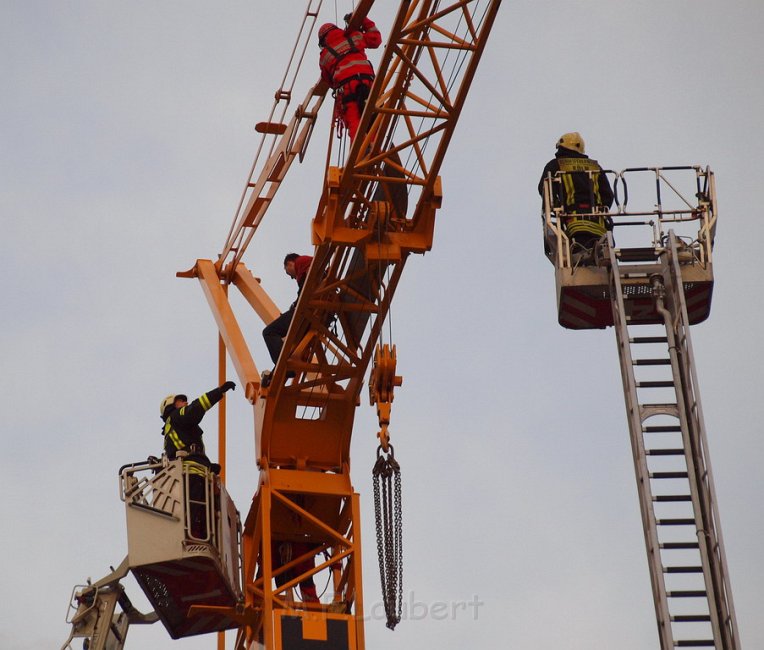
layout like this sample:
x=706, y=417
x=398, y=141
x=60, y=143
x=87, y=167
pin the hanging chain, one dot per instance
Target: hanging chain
x=388, y=516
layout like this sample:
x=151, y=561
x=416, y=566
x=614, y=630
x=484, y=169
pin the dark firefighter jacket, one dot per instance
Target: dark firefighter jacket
x=182, y=431
x=580, y=191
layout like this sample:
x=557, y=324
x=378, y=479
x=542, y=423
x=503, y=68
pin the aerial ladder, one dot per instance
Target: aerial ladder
x=651, y=288
x=94, y=616
x=377, y=207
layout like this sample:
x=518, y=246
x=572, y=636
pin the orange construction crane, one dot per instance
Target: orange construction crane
x=374, y=211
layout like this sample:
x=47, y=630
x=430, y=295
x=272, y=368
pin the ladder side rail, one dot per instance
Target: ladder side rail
x=652, y=544
x=699, y=466
x=677, y=332
x=708, y=215
x=291, y=144
x=552, y=229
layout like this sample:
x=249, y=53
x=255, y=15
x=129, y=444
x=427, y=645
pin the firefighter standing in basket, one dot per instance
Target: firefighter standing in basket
x=182, y=433
x=585, y=190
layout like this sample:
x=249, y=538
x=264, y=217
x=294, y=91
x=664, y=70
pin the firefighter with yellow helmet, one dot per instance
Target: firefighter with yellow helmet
x=584, y=190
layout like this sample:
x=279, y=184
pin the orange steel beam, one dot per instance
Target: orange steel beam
x=221, y=437
x=322, y=512
x=254, y=294
x=229, y=328
x=222, y=410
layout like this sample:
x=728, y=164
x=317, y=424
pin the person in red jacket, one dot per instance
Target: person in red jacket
x=346, y=69
x=296, y=267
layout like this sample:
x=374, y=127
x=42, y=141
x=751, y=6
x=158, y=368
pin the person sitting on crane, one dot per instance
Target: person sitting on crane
x=346, y=69
x=585, y=188
x=182, y=433
x=296, y=267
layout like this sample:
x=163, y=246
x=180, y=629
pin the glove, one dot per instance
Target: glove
x=229, y=385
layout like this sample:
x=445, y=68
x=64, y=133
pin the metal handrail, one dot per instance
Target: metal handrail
x=703, y=210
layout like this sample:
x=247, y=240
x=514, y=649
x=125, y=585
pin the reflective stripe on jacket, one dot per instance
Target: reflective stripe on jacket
x=584, y=184
x=343, y=57
x=580, y=182
x=181, y=428
x=577, y=224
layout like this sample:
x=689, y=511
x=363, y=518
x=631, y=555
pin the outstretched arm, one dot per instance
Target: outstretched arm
x=194, y=412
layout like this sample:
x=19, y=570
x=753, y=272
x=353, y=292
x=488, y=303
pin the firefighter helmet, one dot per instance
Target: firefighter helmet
x=572, y=141
x=324, y=30
x=167, y=401
x=170, y=401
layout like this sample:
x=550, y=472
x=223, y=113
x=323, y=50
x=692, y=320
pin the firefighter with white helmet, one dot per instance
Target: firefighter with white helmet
x=182, y=432
x=181, y=429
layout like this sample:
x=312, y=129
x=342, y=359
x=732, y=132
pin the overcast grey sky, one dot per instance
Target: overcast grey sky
x=127, y=135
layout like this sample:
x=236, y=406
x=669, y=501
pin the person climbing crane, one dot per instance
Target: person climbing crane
x=296, y=267
x=346, y=69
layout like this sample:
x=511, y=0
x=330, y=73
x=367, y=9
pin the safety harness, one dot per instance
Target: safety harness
x=361, y=91
x=576, y=169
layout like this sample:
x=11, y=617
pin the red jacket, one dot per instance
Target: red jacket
x=301, y=266
x=343, y=57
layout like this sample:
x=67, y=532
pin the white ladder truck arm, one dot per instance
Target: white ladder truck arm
x=94, y=617
x=651, y=287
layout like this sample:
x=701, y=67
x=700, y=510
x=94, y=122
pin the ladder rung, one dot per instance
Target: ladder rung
x=683, y=569
x=678, y=545
x=687, y=643
x=648, y=339
x=664, y=452
x=668, y=474
x=672, y=497
x=655, y=384
x=691, y=618
x=686, y=594
x=662, y=429
x=675, y=522
x=636, y=254
x=651, y=362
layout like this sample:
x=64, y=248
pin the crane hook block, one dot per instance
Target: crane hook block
x=382, y=383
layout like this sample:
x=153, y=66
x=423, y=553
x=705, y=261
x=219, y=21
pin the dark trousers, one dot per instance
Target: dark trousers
x=275, y=332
